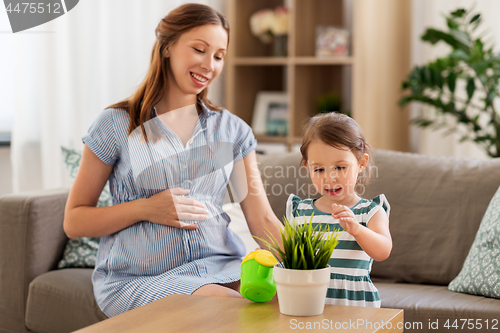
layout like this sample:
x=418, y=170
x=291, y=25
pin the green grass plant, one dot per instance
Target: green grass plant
x=306, y=245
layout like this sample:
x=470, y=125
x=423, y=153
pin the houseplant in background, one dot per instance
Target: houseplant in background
x=272, y=26
x=461, y=87
x=331, y=102
x=302, y=274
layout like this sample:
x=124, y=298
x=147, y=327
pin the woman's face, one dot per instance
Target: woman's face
x=197, y=58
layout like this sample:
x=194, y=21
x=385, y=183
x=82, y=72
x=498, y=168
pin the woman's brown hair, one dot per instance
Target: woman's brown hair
x=171, y=27
x=341, y=132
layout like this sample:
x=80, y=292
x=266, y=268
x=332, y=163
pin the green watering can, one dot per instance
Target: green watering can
x=257, y=281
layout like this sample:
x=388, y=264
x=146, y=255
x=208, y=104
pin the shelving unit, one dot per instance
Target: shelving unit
x=250, y=68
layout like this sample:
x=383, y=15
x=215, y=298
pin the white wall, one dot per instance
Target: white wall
x=5, y=171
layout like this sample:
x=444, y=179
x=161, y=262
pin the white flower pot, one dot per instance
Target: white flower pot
x=301, y=292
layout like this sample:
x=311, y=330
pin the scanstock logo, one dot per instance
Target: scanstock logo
x=24, y=15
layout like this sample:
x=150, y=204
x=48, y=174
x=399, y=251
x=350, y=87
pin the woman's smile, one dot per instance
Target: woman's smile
x=199, y=79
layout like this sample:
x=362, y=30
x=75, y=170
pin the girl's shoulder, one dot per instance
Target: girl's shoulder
x=368, y=207
x=296, y=206
x=296, y=200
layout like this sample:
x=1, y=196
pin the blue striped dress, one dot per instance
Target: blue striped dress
x=350, y=282
x=148, y=261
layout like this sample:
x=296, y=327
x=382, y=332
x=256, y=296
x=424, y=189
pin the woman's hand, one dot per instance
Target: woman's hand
x=346, y=218
x=168, y=207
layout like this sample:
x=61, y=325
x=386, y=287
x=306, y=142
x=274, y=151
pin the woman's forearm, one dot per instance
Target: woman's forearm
x=86, y=221
x=269, y=226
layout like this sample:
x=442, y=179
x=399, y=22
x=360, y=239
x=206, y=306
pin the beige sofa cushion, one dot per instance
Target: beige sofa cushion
x=62, y=301
x=424, y=302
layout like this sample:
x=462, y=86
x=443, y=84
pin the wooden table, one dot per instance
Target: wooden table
x=187, y=313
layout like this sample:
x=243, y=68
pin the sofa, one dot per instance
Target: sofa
x=437, y=204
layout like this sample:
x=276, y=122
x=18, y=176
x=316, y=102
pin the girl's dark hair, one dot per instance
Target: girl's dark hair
x=339, y=131
x=169, y=30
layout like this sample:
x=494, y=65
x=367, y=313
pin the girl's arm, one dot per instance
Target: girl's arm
x=83, y=219
x=248, y=189
x=375, y=239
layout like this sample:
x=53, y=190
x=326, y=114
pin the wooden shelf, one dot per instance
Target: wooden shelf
x=367, y=81
x=260, y=61
x=322, y=60
x=270, y=61
x=250, y=68
x=267, y=138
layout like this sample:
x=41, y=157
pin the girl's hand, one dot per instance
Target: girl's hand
x=346, y=218
x=168, y=207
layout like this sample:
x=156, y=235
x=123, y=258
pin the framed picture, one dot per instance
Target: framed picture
x=331, y=41
x=270, y=115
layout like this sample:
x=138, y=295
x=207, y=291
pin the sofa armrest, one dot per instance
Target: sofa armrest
x=32, y=240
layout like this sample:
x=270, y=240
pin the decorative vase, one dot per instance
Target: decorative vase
x=280, y=47
x=301, y=292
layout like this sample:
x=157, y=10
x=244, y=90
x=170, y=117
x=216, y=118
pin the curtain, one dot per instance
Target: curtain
x=68, y=70
x=429, y=13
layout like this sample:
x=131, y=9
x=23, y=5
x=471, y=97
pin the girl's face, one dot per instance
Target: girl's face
x=334, y=172
x=196, y=59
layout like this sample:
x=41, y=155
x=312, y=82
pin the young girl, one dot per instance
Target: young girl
x=337, y=156
x=168, y=153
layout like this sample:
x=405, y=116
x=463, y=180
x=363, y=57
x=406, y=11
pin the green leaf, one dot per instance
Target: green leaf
x=476, y=24
x=460, y=55
x=480, y=67
x=295, y=257
x=471, y=87
x=473, y=19
x=437, y=79
x=451, y=23
x=491, y=97
x=455, y=38
x=422, y=122
x=451, y=81
x=441, y=64
x=405, y=100
x=483, y=138
x=462, y=38
x=426, y=75
x=459, y=12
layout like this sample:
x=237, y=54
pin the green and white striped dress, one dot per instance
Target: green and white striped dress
x=350, y=282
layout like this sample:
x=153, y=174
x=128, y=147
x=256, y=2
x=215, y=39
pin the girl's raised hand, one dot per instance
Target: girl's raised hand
x=346, y=218
x=169, y=207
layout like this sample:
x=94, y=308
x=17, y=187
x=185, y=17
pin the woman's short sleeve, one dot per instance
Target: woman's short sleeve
x=101, y=138
x=244, y=141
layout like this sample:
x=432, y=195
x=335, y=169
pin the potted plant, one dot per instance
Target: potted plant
x=302, y=274
x=462, y=87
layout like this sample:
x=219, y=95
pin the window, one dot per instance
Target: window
x=6, y=78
